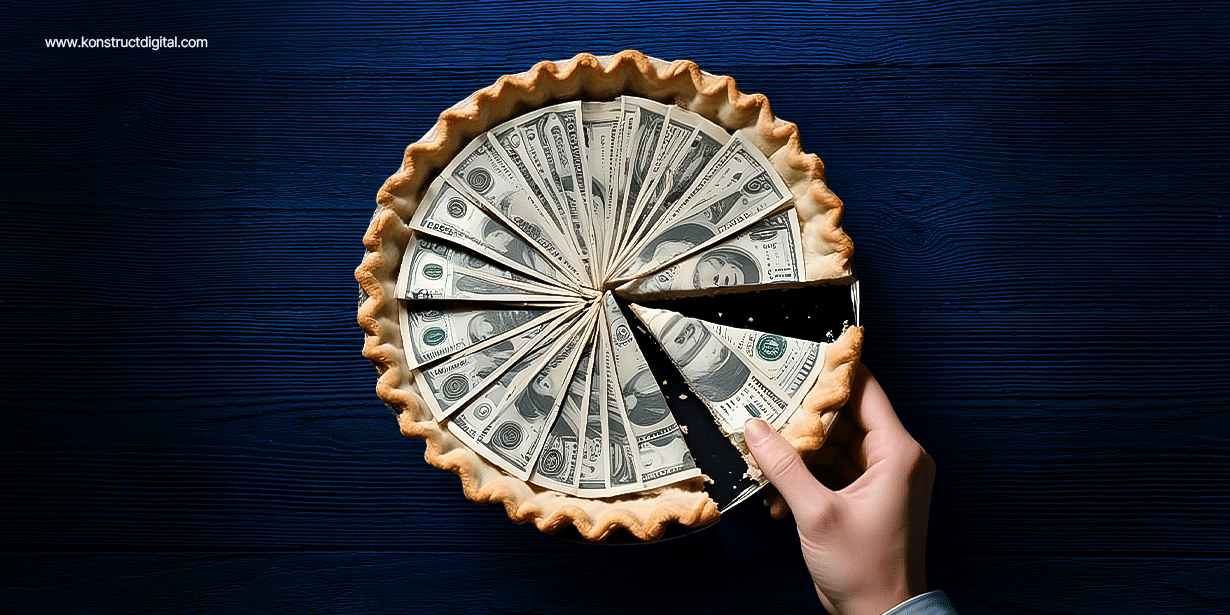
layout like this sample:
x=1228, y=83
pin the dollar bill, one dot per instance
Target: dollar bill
x=483, y=172
x=682, y=167
x=789, y=363
x=435, y=333
x=724, y=381
x=560, y=461
x=592, y=476
x=754, y=198
x=446, y=212
x=515, y=436
x=600, y=125
x=738, y=160
x=555, y=131
x=662, y=453
x=768, y=252
x=545, y=149
x=449, y=385
x=673, y=136
x=512, y=150
x=475, y=416
x=435, y=270
x=645, y=121
x=530, y=166
x=619, y=173
x=623, y=465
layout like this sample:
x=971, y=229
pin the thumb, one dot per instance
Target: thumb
x=783, y=466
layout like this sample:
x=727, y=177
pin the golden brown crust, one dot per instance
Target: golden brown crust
x=827, y=250
x=809, y=426
x=826, y=247
x=808, y=429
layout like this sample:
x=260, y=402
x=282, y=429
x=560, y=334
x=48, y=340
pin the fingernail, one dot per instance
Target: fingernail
x=756, y=432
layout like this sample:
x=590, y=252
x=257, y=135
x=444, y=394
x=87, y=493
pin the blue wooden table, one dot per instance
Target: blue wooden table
x=1037, y=193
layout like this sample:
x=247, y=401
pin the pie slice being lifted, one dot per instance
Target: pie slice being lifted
x=496, y=256
x=741, y=374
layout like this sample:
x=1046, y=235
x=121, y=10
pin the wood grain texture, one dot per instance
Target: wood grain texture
x=434, y=35
x=394, y=582
x=1036, y=193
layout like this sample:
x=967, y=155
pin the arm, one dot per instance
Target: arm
x=864, y=543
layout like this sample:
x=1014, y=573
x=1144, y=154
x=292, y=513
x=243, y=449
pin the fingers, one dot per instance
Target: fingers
x=782, y=465
x=885, y=439
x=884, y=436
x=871, y=407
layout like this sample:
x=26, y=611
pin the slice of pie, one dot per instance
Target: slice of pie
x=521, y=227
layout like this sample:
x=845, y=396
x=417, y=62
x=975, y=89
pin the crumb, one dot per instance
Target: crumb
x=683, y=428
x=683, y=396
x=749, y=319
x=753, y=471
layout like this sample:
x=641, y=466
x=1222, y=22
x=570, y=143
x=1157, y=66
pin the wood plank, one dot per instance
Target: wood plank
x=1022, y=362
x=319, y=492
x=1036, y=191
x=391, y=582
x=509, y=38
x=936, y=119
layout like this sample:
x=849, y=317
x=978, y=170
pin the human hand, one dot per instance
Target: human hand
x=863, y=543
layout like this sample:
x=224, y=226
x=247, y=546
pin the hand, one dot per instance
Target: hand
x=864, y=543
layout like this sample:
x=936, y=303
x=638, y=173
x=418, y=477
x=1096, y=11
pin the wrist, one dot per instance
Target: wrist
x=878, y=602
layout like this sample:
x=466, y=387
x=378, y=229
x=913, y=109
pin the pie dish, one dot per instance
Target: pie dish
x=826, y=251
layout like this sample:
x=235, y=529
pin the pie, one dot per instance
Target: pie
x=552, y=309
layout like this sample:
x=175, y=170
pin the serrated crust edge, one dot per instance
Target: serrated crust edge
x=809, y=427
x=827, y=250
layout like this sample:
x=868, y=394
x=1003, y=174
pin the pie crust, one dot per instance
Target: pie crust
x=827, y=251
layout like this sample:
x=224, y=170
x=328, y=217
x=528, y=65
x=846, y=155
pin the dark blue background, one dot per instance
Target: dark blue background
x=1037, y=194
